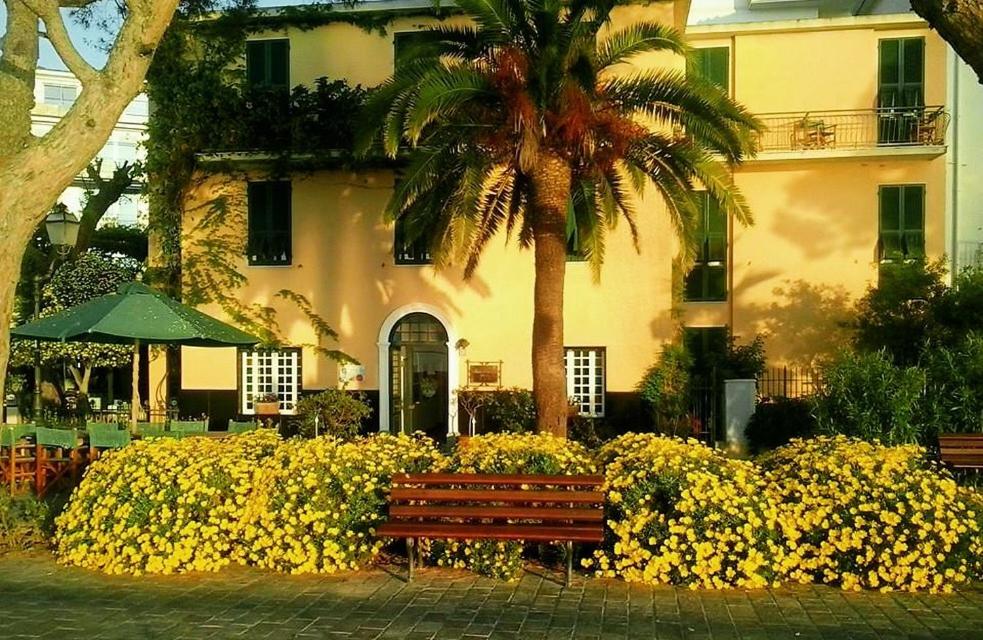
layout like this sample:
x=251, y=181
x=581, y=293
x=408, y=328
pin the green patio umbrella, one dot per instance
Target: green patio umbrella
x=135, y=314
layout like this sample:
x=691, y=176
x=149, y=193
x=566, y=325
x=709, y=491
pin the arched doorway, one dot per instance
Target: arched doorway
x=419, y=385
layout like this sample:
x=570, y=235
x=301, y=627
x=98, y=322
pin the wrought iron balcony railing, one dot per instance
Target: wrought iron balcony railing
x=854, y=129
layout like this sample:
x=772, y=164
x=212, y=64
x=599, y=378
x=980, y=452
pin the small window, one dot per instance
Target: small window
x=585, y=368
x=268, y=63
x=407, y=249
x=712, y=64
x=902, y=223
x=269, y=238
x=402, y=44
x=707, y=280
x=60, y=95
x=269, y=371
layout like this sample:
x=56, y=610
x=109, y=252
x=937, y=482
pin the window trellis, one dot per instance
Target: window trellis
x=585, y=367
x=265, y=371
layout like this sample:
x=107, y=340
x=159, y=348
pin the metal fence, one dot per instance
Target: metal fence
x=788, y=382
x=854, y=129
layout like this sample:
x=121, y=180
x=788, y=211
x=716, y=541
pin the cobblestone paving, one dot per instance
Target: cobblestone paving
x=39, y=599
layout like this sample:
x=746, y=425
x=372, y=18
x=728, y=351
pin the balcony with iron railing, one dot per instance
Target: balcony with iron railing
x=907, y=131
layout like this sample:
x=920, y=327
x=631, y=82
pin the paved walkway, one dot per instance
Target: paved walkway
x=39, y=599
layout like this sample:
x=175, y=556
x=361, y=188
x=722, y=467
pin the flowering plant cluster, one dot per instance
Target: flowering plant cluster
x=681, y=513
x=316, y=503
x=864, y=515
x=162, y=506
x=196, y=504
x=505, y=453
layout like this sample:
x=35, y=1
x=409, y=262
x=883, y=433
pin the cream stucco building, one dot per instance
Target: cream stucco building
x=854, y=174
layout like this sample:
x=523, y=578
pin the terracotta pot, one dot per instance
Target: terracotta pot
x=267, y=408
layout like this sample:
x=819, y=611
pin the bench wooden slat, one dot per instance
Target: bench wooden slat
x=497, y=479
x=456, y=531
x=496, y=513
x=495, y=495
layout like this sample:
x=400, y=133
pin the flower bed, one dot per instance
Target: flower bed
x=681, y=513
x=317, y=502
x=864, y=515
x=162, y=506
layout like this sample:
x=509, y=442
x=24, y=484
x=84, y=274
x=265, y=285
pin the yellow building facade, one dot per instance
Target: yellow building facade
x=419, y=334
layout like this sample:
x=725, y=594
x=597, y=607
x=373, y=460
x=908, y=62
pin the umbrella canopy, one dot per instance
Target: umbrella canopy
x=135, y=313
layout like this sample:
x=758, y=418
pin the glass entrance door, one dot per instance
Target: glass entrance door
x=418, y=376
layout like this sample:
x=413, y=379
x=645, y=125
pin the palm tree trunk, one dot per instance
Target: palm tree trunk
x=551, y=192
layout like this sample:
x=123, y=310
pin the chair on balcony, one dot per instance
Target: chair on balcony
x=812, y=134
x=17, y=457
x=931, y=126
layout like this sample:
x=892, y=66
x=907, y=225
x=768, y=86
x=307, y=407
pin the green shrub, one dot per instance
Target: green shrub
x=512, y=410
x=23, y=522
x=665, y=390
x=865, y=396
x=953, y=400
x=778, y=420
x=339, y=413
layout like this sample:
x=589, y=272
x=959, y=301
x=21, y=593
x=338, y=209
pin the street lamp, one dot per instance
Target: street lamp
x=63, y=231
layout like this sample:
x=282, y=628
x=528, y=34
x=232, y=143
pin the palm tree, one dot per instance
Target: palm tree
x=526, y=119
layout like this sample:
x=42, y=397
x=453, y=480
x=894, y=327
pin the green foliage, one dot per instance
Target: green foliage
x=509, y=410
x=778, y=420
x=953, y=400
x=339, y=413
x=23, y=522
x=898, y=315
x=864, y=395
x=743, y=361
x=665, y=390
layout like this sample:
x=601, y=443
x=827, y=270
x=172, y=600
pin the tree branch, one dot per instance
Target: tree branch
x=960, y=23
x=102, y=194
x=50, y=13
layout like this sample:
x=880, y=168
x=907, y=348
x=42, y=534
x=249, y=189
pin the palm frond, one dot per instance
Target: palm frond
x=641, y=37
x=441, y=92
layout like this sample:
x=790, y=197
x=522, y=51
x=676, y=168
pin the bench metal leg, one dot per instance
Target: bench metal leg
x=569, y=562
x=410, y=548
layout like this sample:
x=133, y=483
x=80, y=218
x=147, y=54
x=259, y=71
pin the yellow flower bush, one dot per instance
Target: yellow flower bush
x=681, y=513
x=317, y=502
x=505, y=453
x=864, y=515
x=162, y=506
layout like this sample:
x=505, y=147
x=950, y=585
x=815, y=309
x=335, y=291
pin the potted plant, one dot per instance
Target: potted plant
x=267, y=404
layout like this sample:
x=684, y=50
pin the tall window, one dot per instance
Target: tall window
x=901, y=90
x=712, y=64
x=269, y=237
x=268, y=63
x=60, y=95
x=585, y=368
x=707, y=281
x=403, y=42
x=902, y=223
x=408, y=249
x=269, y=371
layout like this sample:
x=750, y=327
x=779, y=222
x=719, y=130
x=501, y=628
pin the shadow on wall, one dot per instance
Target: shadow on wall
x=803, y=323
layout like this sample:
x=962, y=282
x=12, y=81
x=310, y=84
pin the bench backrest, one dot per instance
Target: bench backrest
x=493, y=498
x=962, y=449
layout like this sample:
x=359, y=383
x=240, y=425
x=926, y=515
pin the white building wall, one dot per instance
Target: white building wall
x=965, y=165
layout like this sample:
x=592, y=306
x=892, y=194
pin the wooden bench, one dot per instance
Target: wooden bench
x=962, y=450
x=462, y=506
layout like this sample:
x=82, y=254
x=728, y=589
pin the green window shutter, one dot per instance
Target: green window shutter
x=707, y=281
x=712, y=64
x=902, y=222
x=901, y=74
x=268, y=63
x=270, y=221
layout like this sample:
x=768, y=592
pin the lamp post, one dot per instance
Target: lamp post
x=62, y=227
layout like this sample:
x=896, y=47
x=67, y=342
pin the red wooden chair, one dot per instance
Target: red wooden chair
x=17, y=457
x=58, y=458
